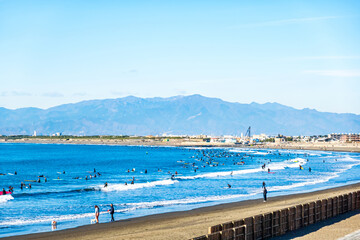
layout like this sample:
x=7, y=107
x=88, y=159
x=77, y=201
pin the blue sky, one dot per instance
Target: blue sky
x=298, y=53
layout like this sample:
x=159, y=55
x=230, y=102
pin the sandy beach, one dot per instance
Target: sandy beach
x=318, y=146
x=188, y=224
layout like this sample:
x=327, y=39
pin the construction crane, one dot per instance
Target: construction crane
x=248, y=132
x=247, y=137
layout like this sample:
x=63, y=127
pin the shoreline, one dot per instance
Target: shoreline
x=334, y=147
x=191, y=223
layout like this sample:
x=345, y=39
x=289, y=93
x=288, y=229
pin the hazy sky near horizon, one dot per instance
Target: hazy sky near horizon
x=297, y=53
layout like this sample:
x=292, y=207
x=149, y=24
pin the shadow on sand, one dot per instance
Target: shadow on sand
x=316, y=226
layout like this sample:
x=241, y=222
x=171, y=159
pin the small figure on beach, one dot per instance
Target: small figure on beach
x=97, y=213
x=112, y=211
x=53, y=225
x=265, y=193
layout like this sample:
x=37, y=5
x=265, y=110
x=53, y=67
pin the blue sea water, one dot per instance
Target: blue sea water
x=69, y=199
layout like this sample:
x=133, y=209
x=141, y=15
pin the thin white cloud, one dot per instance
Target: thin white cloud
x=14, y=94
x=285, y=22
x=53, y=94
x=329, y=57
x=335, y=73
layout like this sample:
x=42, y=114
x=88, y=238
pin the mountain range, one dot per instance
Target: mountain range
x=177, y=115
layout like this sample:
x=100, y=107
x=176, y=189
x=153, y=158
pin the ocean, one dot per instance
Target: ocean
x=202, y=179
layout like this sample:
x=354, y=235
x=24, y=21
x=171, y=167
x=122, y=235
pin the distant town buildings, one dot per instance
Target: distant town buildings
x=345, y=137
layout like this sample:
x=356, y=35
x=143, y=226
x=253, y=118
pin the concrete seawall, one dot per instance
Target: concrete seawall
x=281, y=221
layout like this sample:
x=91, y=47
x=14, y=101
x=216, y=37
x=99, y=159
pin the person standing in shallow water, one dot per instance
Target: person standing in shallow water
x=97, y=213
x=112, y=211
x=265, y=193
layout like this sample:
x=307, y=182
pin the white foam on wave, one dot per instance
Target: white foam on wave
x=128, y=207
x=326, y=178
x=261, y=153
x=123, y=187
x=246, y=150
x=5, y=198
x=49, y=219
x=273, y=166
x=188, y=200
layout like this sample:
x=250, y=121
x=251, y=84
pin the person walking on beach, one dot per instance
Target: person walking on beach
x=112, y=211
x=97, y=213
x=265, y=193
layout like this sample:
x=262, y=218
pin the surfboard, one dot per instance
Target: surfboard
x=30, y=180
x=271, y=172
x=1, y=193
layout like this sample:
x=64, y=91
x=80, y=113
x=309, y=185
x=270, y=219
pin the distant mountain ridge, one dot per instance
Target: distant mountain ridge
x=191, y=115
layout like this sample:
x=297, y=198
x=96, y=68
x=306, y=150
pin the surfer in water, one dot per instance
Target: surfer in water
x=105, y=185
x=3, y=191
x=229, y=186
x=263, y=185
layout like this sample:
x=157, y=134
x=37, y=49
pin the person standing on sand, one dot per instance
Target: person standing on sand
x=112, y=211
x=265, y=193
x=97, y=213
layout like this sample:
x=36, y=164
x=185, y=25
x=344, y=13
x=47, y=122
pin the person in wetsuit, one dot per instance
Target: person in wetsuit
x=265, y=193
x=112, y=211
